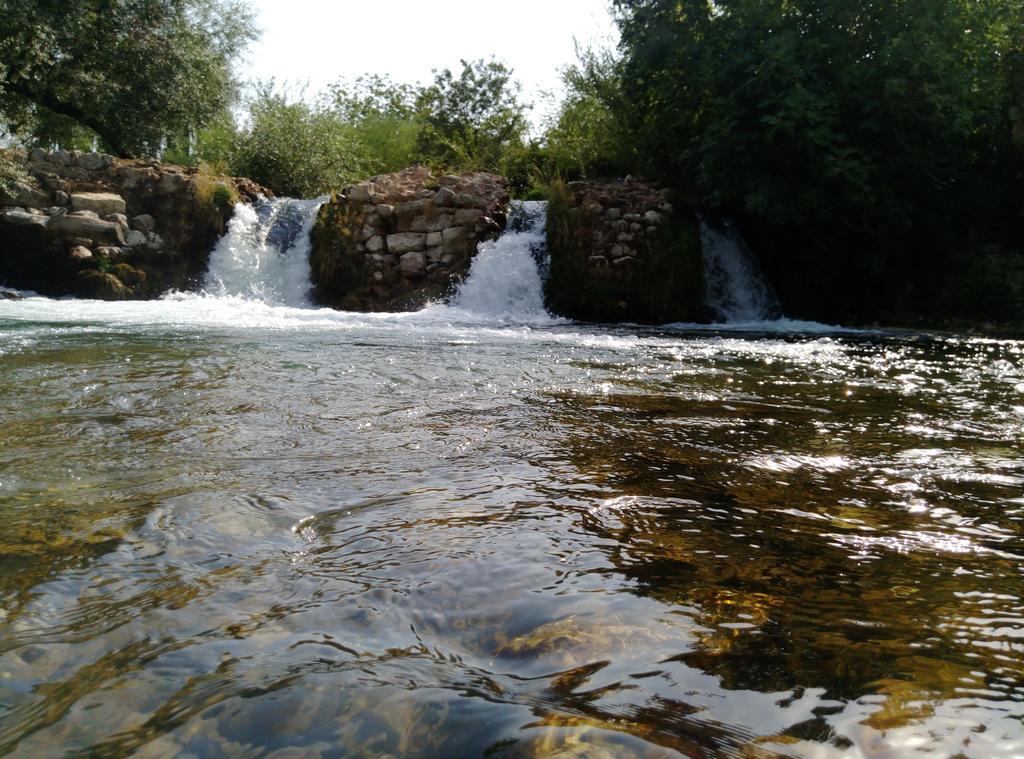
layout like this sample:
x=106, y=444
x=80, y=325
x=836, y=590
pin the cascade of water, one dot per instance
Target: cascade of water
x=735, y=288
x=265, y=254
x=505, y=281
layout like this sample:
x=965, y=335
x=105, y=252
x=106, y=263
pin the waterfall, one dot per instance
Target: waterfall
x=265, y=254
x=735, y=287
x=264, y=257
x=505, y=280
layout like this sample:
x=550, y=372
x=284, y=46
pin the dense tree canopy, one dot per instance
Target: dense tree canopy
x=863, y=134
x=471, y=119
x=132, y=71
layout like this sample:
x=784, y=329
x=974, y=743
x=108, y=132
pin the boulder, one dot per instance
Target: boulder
x=444, y=197
x=73, y=225
x=131, y=276
x=22, y=217
x=134, y=238
x=404, y=242
x=60, y=158
x=95, y=161
x=101, y=203
x=469, y=200
x=79, y=254
x=143, y=223
x=467, y=216
x=101, y=286
x=359, y=194
x=453, y=233
x=413, y=264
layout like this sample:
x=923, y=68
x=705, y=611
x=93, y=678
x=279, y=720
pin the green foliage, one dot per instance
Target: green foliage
x=861, y=141
x=295, y=148
x=383, y=119
x=213, y=145
x=590, y=135
x=130, y=72
x=375, y=126
x=469, y=121
x=215, y=198
x=336, y=267
x=12, y=172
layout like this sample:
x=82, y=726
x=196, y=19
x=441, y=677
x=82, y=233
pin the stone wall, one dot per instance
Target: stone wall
x=397, y=241
x=91, y=225
x=623, y=251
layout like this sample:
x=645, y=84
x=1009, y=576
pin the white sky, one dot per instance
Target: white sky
x=315, y=43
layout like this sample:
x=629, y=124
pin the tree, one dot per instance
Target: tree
x=131, y=71
x=469, y=121
x=296, y=148
x=861, y=140
x=590, y=135
x=382, y=114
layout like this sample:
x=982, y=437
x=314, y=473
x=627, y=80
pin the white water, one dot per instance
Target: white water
x=504, y=283
x=265, y=254
x=259, y=278
x=735, y=289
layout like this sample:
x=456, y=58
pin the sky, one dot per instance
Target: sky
x=314, y=43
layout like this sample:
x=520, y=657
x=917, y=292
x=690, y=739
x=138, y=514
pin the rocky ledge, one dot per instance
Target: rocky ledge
x=91, y=225
x=623, y=251
x=397, y=241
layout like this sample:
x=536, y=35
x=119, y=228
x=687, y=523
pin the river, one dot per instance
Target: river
x=238, y=528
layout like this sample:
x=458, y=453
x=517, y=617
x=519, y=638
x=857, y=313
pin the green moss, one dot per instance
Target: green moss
x=215, y=199
x=665, y=284
x=131, y=276
x=337, y=269
x=12, y=172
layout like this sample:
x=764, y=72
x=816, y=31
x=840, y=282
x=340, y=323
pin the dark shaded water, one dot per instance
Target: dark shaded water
x=236, y=530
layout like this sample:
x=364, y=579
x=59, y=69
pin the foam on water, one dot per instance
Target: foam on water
x=265, y=254
x=736, y=290
x=259, y=278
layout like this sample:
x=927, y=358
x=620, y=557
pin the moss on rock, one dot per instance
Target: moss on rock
x=622, y=252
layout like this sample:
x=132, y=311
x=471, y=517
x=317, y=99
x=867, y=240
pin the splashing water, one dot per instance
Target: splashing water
x=735, y=288
x=505, y=281
x=265, y=254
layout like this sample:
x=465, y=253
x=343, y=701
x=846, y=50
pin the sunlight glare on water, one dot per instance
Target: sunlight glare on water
x=234, y=528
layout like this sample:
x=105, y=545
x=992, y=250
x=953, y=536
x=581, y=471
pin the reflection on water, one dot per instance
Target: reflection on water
x=439, y=539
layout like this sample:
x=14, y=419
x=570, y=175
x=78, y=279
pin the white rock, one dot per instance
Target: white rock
x=102, y=203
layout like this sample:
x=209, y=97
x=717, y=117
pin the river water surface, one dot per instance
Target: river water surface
x=236, y=529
